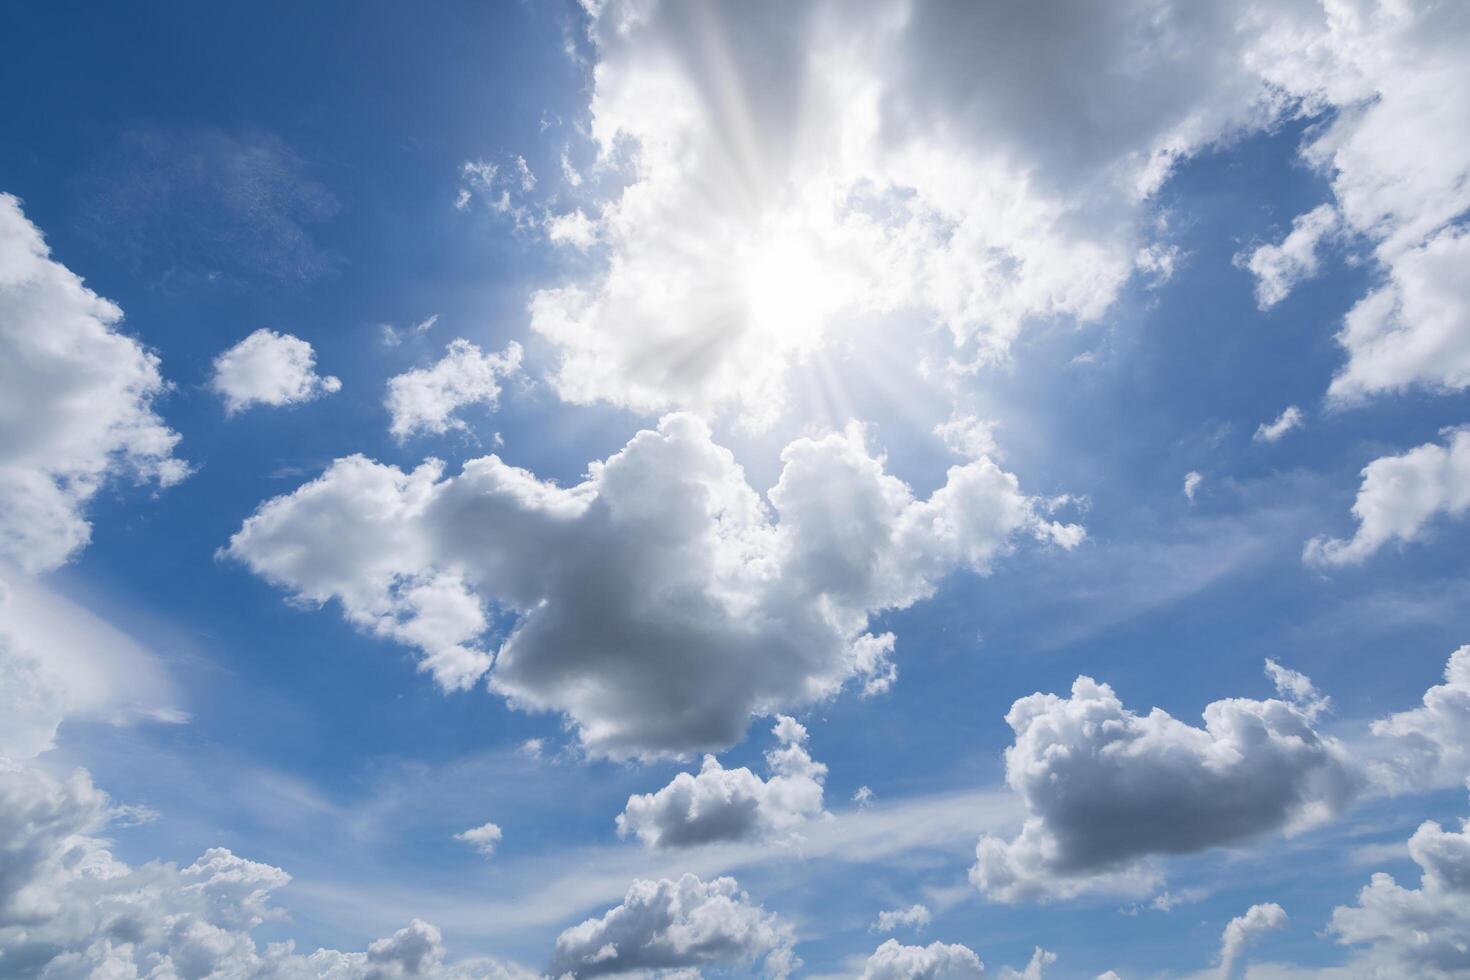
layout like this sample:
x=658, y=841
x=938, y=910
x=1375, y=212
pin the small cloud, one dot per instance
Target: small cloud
x=1289, y=419
x=863, y=797
x=483, y=838
x=1192, y=480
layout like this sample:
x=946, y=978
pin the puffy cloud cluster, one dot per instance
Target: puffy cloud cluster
x=722, y=804
x=957, y=161
x=1418, y=932
x=76, y=401
x=69, y=910
x=1430, y=745
x=937, y=961
x=1105, y=787
x=661, y=602
x=425, y=399
x=789, y=171
x=1245, y=929
x=269, y=368
x=1400, y=497
x=678, y=925
x=914, y=917
x=1398, y=77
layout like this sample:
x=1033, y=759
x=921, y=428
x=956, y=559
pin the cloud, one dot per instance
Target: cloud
x=425, y=399
x=1399, y=498
x=1192, y=480
x=1419, y=932
x=269, y=368
x=76, y=402
x=70, y=909
x=392, y=336
x=208, y=202
x=484, y=838
x=914, y=917
x=659, y=603
x=573, y=228
x=1278, y=268
x=937, y=961
x=672, y=925
x=722, y=804
x=1396, y=78
x=916, y=168
x=1105, y=788
x=1290, y=418
x=1246, y=929
x=968, y=436
x=1034, y=969
x=1429, y=746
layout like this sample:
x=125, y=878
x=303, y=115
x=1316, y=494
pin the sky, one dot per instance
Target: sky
x=892, y=490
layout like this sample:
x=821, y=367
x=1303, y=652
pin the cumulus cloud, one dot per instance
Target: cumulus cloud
x=902, y=177
x=678, y=925
x=1278, y=268
x=659, y=603
x=269, y=368
x=1192, y=480
x=1398, y=77
x=484, y=838
x=70, y=909
x=1418, y=932
x=1245, y=929
x=937, y=961
x=722, y=804
x=1105, y=788
x=1290, y=418
x=889, y=920
x=1429, y=746
x=1399, y=499
x=76, y=402
x=425, y=399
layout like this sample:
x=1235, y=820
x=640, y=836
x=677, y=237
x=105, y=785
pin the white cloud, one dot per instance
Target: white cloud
x=1415, y=330
x=863, y=797
x=889, y=920
x=1418, y=932
x=1430, y=745
x=1290, y=418
x=1398, y=77
x=662, y=601
x=1278, y=268
x=968, y=436
x=269, y=368
x=76, y=402
x=425, y=399
x=1034, y=969
x=793, y=171
x=1245, y=929
x=1399, y=498
x=484, y=838
x=70, y=910
x=937, y=961
x=722, y=804
x=1256, y=767
x=392, y=336
x=573, y=228
x=676, y=925
x=1192, y=480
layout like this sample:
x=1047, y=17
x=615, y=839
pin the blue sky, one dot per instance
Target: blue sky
x=884, y=373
